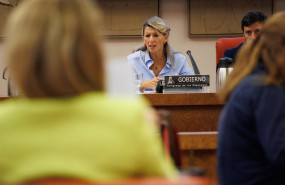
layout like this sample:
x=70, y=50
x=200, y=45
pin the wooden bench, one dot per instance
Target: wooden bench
x=198, y=140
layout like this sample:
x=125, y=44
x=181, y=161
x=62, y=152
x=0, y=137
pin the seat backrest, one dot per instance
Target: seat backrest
x=225, y=43
x=169, y=137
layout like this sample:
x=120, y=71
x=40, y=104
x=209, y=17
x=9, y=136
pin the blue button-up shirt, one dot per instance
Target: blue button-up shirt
x=141, y=62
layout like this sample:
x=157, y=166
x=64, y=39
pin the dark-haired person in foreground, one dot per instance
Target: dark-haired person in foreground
x=251, y=26
x=251, y=142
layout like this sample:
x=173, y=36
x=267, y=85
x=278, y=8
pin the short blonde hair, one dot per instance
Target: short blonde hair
x=54, y=48
x=160, y=25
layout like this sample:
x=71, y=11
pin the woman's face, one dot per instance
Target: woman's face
x=154, y=40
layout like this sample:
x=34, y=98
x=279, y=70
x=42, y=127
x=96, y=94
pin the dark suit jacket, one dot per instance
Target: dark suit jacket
x=232, y=52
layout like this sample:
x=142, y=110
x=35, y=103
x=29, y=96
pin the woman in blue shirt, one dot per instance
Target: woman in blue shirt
x=155, y=58
x=251, y=143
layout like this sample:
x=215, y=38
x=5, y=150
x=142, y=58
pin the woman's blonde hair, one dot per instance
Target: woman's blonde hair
x=267, y=49
x=160, y=25
x=54, y=48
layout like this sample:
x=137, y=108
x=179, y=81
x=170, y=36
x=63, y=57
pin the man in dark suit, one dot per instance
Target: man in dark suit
x=251, y=26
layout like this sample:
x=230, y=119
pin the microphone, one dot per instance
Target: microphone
x=194, y=65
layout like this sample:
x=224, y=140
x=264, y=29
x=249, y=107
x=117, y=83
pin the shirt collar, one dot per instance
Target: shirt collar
x=148, y=61
x=168, y=64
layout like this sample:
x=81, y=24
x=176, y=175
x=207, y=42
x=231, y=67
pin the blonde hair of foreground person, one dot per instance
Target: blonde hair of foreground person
x=55, y=51
x=268, y=48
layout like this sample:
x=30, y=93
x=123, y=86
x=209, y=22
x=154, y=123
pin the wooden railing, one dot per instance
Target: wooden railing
x=195, y=117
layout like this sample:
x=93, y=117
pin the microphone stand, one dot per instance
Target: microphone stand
x=194, y=65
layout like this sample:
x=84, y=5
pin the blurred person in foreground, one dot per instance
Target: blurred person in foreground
x=251, y=143
x=251, y=26
x=155, y=58
x=63, y=124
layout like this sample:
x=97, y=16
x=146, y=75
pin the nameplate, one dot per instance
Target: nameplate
x=185, y=81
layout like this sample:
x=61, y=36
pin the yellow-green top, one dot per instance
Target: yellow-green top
x=92, y=137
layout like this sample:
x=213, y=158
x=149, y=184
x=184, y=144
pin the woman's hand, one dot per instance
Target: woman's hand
x=150, y=84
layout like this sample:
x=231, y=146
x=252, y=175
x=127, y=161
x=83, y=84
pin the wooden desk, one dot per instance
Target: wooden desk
x=3, y=98
x=195, y=117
